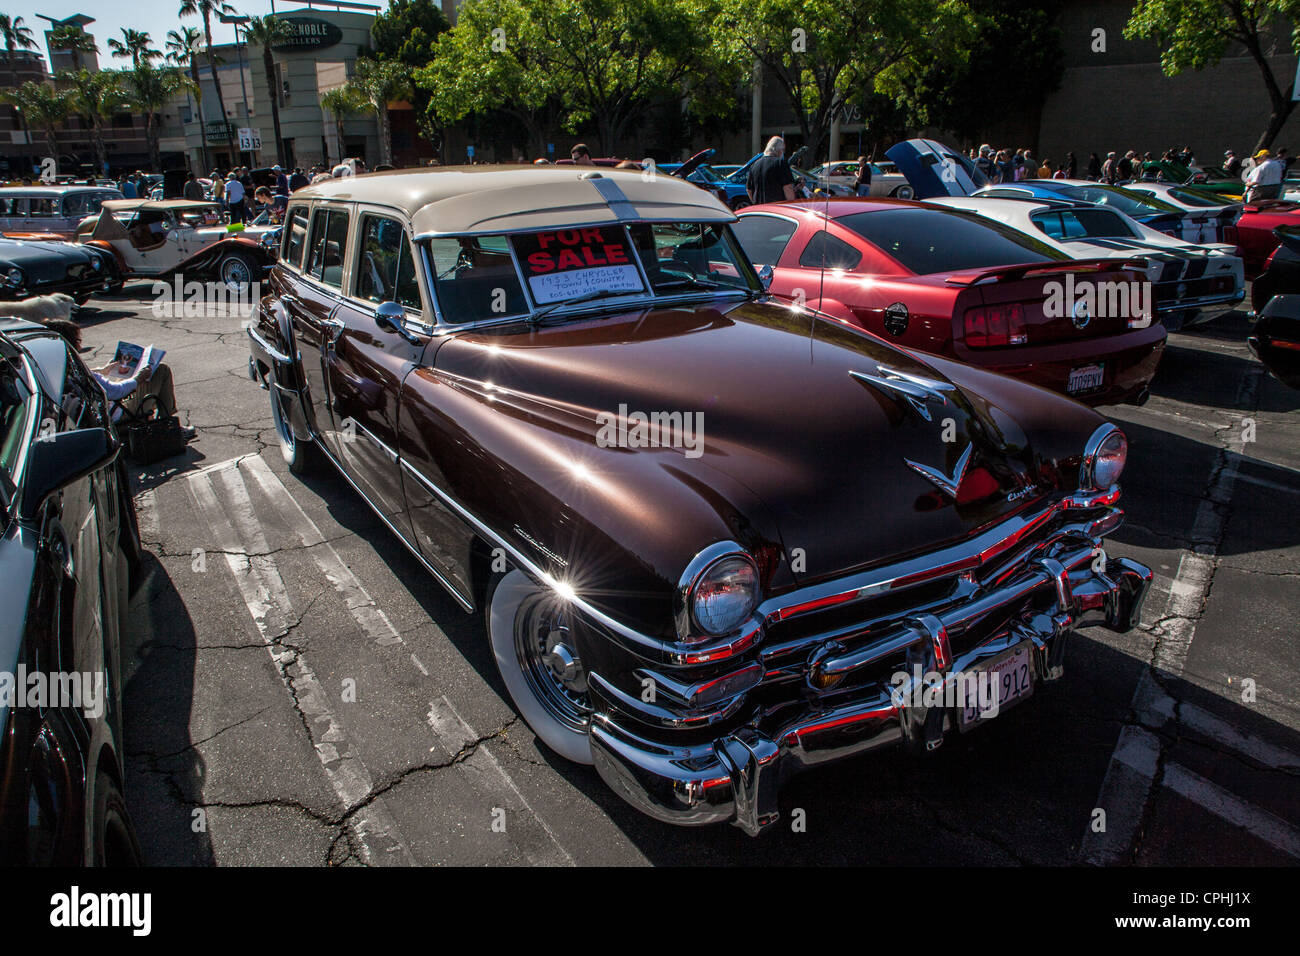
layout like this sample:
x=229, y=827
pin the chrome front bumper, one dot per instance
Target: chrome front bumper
x=736, y=777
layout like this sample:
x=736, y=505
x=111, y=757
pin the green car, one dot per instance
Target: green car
x=1210, y=181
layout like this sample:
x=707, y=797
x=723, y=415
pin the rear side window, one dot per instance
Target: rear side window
x=295, y=237
x=1083, y=223
x=824, y=251
x=329, y=239
x=926, y=241
x=385, y=270
x=43, y=207
x=763, y=238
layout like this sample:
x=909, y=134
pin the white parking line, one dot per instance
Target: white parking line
x=1137, y=756
x=454, y=734
x=373, y=621
x=267, y=600
x=1126, y=792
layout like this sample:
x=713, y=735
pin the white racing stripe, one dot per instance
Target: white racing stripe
x=1126, y=792
x=264, y=594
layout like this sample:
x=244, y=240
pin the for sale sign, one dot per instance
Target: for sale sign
x=571, y=262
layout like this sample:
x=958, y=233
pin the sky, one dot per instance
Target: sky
x=154, y=16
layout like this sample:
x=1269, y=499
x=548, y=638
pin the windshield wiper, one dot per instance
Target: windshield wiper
x=577, y=299
x=698, y=283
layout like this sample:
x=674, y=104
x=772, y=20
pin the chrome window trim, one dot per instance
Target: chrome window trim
x=388, y=452
x=370, y=307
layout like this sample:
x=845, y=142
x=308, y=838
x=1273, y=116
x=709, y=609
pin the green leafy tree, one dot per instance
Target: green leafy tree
x=341, y=102
x=150, y=88
x=182, y=48
x=408, y=32
x=266, y=32
x=135, y=45
x=379, y=82
x=823, y=53
x=474, y=71
x=1194, y=34
x=956, y=93
x=207, y=9
x=96, y=95
x=42, y=106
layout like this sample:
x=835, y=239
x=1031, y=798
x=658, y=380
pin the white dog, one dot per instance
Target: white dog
x=41, y=307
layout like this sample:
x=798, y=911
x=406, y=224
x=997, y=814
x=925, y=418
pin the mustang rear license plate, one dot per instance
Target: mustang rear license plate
x=1086, y=378
x=998, y=683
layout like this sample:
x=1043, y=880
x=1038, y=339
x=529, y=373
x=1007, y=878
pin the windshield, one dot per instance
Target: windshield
x=1121, y=199
x=492, y=277
x=926, y=241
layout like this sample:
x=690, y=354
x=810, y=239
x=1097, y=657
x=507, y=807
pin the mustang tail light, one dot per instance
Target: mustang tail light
x=996, y=325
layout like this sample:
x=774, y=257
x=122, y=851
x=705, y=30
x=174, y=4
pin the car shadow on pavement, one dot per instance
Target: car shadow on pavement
x=165, y=773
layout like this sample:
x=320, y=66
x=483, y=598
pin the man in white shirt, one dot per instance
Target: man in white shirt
x=1265, y=180
x=235, y=198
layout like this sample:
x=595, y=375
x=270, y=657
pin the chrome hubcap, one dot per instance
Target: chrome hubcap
x=550, y=660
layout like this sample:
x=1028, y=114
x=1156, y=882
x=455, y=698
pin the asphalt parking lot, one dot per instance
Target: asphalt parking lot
x=299, y=691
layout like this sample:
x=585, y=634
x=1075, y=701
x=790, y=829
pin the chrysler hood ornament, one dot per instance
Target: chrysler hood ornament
x=945, y=483
x=916, y=390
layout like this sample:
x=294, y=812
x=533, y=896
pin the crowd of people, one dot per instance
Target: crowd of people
x=1262, y=173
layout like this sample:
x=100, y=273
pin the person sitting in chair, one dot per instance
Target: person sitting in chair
x=123, y=385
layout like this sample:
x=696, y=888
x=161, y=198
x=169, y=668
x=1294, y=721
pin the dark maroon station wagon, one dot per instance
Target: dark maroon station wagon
x=714, y=540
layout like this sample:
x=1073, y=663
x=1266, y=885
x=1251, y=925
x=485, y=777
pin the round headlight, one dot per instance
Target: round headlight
x=725, y=595
x=1104, y=459
x=14, y=277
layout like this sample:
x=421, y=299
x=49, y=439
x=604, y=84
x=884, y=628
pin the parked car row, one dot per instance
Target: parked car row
x=485, y=332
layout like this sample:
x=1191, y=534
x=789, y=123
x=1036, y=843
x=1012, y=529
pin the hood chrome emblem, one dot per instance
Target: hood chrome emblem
x=945, y=483
x=917, y=391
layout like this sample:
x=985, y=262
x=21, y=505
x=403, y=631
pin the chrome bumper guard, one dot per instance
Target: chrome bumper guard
x=737, y=777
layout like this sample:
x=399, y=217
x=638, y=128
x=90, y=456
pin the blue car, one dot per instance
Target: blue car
x=732, y=193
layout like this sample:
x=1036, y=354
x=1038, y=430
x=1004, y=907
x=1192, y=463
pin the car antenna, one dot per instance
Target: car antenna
x=821, y=278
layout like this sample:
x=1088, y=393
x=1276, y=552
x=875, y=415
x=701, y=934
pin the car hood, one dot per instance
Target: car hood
x=790, y=413
x=21, y=253
x=932, y=169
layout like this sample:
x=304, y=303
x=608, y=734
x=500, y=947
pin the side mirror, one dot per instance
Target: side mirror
x=59, y=460
x=391, y=317
x=765, y=277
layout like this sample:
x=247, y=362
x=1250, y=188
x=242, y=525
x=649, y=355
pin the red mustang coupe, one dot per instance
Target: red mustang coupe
x=1255, y=239
x=951, y=283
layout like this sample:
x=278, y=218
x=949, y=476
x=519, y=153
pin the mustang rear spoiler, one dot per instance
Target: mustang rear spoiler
x=999, y=273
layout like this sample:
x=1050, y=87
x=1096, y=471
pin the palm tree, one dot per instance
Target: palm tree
x=75, y=40
x=381, y=82
x=341, y=101
x=97, y=95
x=44, y=106
x=150, y=88
x=135, y=45
x=265, y=31
x=206, y=9
x=17, y=35
x=182, y=51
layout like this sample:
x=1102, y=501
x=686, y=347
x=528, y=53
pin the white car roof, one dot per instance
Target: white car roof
x=479, y=200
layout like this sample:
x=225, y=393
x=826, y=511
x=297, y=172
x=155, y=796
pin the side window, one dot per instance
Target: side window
x=763, y=238
x=824, y=251
x=44, y=207
x=1050, y=223
x=329, y=239
x=385, y=269
x=1005, y=193
x=295, y=237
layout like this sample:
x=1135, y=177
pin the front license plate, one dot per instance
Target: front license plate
x=1010, y=679
x=1086, y=379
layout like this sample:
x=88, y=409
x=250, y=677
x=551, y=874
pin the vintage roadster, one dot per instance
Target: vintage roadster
x=152, y=239
x=715, y=540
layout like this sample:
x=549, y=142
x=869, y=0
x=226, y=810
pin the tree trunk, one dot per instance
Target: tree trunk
x=1276, y=120
x=151, y=134
x=385, y=135
x=216, y=82
x=269, y=62
x=101, y=151
x=198, y=99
